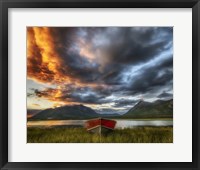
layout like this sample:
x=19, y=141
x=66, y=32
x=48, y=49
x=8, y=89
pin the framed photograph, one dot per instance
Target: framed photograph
x=99, y=84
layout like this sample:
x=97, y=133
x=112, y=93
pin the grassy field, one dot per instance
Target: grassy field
x=80, y=135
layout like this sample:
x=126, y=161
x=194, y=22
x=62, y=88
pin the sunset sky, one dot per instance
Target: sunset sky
x=106, y=68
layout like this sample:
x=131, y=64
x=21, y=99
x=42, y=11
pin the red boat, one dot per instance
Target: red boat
x=100, y=125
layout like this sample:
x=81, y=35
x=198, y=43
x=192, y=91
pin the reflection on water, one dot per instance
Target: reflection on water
x=134, y=123
x=120, y=123
x=49, y=123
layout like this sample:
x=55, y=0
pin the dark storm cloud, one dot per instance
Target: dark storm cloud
x=115, y=46
x=45, y=93
x=165, y=95
x=81, y=69
x=88, y=98
x=150, y=78
x=133, y=45
x=99, y=62
x=71, y=93
x=125, y=102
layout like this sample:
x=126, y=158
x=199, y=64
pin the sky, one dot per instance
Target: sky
x=108, y=69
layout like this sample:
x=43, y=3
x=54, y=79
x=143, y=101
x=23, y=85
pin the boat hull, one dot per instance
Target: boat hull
x=100, y=125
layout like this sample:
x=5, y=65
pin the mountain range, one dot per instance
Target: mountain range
x=143, y=109
x=157, y=109
x=66, y=112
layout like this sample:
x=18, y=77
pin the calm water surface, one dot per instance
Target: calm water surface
x=120, y=123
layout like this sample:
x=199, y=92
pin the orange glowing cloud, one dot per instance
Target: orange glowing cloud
x=54, y=95
x=44, y=63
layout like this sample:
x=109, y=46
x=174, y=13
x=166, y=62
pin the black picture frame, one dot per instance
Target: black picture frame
x=6, y=4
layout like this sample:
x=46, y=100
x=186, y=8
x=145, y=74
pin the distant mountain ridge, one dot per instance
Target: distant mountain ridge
x=66, y=112
x=32, y=112
x=159, y=108
x=143, y=109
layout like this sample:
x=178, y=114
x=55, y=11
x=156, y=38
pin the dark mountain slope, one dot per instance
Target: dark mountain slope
x=66, y=112
x=144, y=109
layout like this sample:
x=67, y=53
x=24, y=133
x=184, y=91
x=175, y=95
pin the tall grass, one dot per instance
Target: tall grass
x=80, y=135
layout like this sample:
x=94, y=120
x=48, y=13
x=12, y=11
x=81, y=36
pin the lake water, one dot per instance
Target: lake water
x=120, y=123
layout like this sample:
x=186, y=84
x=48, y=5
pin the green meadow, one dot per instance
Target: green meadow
x=80, y=135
